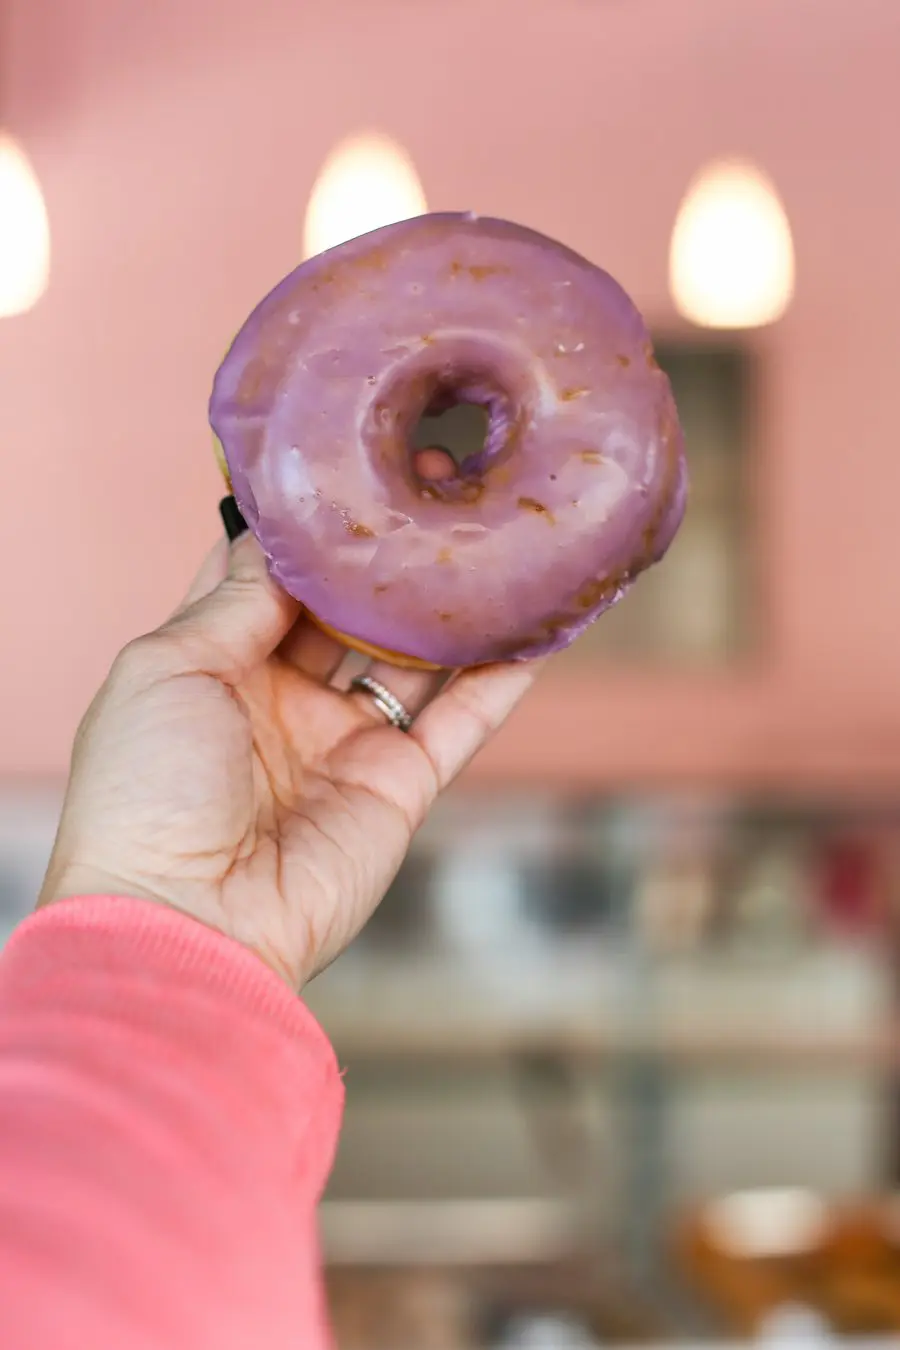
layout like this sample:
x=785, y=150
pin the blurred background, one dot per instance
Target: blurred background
x=622, y=1050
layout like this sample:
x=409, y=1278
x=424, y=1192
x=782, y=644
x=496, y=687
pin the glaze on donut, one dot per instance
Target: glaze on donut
x=581, y=483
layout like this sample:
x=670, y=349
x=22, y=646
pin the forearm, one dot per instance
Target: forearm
x=168, y=1116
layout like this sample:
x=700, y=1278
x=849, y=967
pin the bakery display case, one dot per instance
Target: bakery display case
x=577, y=1023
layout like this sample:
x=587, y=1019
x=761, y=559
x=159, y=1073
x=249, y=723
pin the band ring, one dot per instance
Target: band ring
x=388, y=704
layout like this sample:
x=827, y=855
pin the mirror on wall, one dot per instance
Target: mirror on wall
x=697, y=607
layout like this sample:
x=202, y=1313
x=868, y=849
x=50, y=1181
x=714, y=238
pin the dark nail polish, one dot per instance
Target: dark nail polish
x=234, y=522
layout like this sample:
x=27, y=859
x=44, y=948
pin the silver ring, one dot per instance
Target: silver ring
x=386, y=702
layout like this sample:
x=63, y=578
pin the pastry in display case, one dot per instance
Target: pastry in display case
x=395, y=1309
x=750, y=1256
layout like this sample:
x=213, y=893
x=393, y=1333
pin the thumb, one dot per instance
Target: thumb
x=211, y=572
x=237, y=625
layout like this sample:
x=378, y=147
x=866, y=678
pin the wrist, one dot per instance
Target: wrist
x=69, y=881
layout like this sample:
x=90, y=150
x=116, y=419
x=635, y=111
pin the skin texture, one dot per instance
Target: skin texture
x=217, y=773
x=581, y=484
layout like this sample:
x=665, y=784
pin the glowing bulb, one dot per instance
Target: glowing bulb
x=366, y=182
x=731, y=263
x=24, y=233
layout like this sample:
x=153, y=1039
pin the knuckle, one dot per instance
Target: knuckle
x=142, y=660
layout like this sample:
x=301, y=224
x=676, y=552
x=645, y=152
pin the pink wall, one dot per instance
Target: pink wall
x=177, y=142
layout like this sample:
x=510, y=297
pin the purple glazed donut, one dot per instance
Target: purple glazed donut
x=581, y=483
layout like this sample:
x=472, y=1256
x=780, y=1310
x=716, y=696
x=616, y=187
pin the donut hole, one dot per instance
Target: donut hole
x=444, y=438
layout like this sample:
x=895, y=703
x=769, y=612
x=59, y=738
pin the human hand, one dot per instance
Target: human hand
x=217, y=772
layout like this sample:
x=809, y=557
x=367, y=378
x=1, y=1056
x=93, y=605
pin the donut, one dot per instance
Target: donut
x=580, y=485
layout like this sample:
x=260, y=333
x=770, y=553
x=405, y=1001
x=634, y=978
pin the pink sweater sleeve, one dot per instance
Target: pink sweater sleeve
x=168, y=1117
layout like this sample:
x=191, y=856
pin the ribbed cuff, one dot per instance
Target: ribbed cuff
x=155, y=935
x=132, y=972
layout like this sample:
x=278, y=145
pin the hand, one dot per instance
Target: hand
x=218, y=773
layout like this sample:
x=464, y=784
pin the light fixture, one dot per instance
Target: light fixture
x=24, y=232
x=367, y=181
x=731, y=261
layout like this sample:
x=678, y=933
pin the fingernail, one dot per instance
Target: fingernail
x=234, y=522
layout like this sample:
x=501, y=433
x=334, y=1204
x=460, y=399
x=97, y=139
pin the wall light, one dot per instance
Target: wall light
x=367, y=181
x=24, y=232
x=731, y=262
